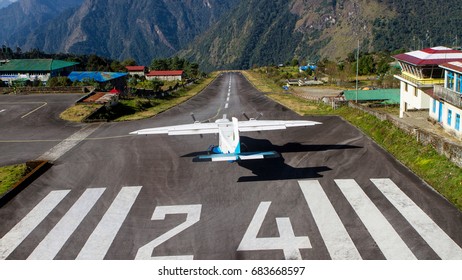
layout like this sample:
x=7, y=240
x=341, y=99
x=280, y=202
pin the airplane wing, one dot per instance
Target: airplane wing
x=185, y=129
x=257, y=125
x=213, y=128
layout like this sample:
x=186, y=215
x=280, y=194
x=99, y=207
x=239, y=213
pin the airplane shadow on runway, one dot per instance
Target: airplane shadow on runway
x=275, y=168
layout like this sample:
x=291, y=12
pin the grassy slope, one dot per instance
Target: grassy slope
x=438, y=171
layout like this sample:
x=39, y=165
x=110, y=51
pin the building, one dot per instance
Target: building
x=381, y=96
x=34, y=69
x=141, y=71
x=420, y=72
x=446, y=99
x=175, y=75
x=116, y=79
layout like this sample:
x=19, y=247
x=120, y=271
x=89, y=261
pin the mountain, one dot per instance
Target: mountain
x=141, y=29
x=262, y=32
x=232, y=33
x=4, y=3
x=22, y=18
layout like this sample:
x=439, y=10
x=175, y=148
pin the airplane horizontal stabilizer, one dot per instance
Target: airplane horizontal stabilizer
x=236, y=157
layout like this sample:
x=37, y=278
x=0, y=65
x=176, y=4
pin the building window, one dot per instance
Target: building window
x=434, y=106
x=405, y=87
x=450, y=81
x=449, y=117
x=459, y=83
x=457, y=122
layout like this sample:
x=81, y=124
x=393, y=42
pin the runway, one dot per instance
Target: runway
x=334, y=194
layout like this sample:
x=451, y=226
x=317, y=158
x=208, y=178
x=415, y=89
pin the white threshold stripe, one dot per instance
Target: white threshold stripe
x=435, y=237
x=335, y=236
x=102, y=237
x=21, y=230
x=67, y=144
x=387, y=239
x=57, y=237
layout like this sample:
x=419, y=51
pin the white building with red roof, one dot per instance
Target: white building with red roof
x=170, y=75
x=420, y=72
x=446, y=99
x=137, y=70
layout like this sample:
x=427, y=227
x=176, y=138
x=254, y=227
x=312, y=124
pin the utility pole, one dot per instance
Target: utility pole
x=357, y=71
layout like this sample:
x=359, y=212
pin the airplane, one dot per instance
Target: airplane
x=229, y=148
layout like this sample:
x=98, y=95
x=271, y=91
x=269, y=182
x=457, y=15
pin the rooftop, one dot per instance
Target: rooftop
x=135, y=68
x=430, y=56
x=42, y=65
x=97, y=76
x=454, y=65
x=166, y=73
x=391, y=96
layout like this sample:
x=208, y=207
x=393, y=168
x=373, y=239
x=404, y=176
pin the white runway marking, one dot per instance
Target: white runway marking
x=102, y=237
x=227, y=105
x=332, y=229
x=388, y=240
x=436, y=238
x=57, y=237
x=63, y=147
x=36, y=109
x=1, y=111
x=21, y=230
x=336, y=238
x=287, y=241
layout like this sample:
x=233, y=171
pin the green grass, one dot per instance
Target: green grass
x=142, y=108
x=137, y=108
x=437, y=170
x=9, y=175
x=79, y=112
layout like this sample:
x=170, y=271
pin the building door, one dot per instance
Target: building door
x=440, y=112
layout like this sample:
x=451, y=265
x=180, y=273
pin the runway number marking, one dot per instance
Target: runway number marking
x=287, y=241
x=193, y=213
x=332, y=229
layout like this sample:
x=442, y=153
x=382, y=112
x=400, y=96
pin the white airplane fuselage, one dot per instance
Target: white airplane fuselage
x=228, y=134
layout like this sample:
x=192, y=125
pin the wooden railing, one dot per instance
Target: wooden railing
x=448, y=95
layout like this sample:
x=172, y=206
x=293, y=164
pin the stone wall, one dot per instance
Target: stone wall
x=44, y=90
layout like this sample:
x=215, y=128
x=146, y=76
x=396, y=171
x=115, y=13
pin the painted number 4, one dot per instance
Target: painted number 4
x=287, y=241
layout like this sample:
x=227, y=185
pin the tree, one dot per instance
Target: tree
x=58, y=82
x=129, y=62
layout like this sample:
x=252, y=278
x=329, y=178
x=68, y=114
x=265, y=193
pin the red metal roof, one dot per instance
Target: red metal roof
x=430, y=56
x=454, y=65
x=135, y=68
x=166, y=73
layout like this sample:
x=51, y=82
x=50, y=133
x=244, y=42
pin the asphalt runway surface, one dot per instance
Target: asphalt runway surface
x=334, y=194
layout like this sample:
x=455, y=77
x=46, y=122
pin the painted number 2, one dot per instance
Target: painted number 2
x=287, y=241
x=193, y=213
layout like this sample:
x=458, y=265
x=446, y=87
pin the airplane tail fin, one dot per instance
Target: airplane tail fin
x=236, y=138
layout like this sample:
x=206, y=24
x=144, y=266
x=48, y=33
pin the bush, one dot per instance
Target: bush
x=59, y=82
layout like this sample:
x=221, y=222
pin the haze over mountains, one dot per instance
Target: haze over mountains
x=4, y=3
x=232, y=33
